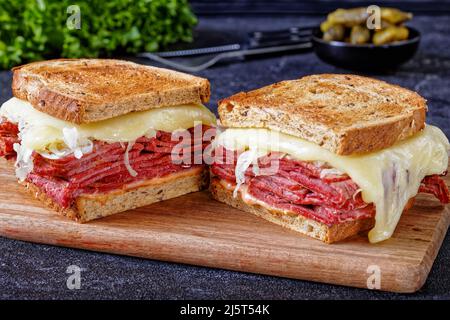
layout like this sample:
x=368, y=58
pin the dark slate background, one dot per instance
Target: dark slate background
x=312, y=7
x=34, y=271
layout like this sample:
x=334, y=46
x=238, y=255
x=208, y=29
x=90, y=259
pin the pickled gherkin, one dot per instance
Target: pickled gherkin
x=394, y=16
x=334, y=33
x=324, y=26
x=359, y=35
x=352, y=25
x=385, y=24
x=390, y=34
x=348, y=17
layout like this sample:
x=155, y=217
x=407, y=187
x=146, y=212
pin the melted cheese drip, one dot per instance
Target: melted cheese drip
x=43, y=130
x=388, y=177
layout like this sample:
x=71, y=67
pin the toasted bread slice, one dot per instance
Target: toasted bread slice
x=89, y=90
x=93, y=206
x=346, y=114
x=309, y=227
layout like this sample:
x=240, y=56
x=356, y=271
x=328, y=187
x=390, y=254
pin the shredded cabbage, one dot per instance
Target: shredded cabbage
x=78, y=146
x=71, y=144
x=126, y=159
x=356, y=193
x=24, y=163
x=244, y=161
x=330, y=171
x=248, y=158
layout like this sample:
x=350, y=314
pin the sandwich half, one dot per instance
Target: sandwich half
x=328, y=155
x=90, y=137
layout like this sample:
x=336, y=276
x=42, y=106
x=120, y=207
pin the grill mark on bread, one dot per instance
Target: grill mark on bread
x=345, y=114
x=89, y=90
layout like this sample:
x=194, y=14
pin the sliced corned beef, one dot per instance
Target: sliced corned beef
x=104, y=169
x=310, y=189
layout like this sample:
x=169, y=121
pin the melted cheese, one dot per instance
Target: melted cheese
x=42, y=130
x=388, y=178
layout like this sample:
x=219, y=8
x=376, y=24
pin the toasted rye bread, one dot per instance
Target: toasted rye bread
x=90, y=207
x=294, y=221
x=346, y=114
x=89, y=90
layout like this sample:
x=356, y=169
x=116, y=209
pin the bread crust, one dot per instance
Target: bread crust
x=93, y=206
x=345, y=114
x=293, y=221
x=90, y=90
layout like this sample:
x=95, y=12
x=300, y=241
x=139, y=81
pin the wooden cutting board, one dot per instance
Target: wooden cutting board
x=195, y=229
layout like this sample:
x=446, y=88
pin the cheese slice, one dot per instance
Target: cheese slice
x=54, y=138
x=39, y=130
x=388, y=178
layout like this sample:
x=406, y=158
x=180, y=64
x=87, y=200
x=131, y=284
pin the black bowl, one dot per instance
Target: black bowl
x=367, y=57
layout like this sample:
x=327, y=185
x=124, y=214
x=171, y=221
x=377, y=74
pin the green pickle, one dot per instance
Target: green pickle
x=385, y=24
x=324, y=26
x=348, y=17
x=395, y=16
x=390, y=34
x=334, y=33
x=359, y=35
x=349, y=25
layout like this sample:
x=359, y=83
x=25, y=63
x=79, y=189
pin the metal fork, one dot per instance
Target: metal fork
x=258, y=43
x=204, y=62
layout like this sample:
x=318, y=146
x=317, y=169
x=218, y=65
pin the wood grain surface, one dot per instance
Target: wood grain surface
x=195, y=229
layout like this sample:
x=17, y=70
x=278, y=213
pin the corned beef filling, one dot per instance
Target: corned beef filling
x=309, y=189
x=104, y=168
x=8, y=136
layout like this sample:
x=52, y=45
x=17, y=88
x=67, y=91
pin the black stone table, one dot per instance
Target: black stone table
x=35, y=271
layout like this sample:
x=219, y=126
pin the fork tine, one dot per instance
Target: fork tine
x=289, y=31
x=209, y=61
x=199, y=51
x=277, y=42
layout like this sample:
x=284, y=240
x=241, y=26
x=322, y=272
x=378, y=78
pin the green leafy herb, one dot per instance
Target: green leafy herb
x=40, y=29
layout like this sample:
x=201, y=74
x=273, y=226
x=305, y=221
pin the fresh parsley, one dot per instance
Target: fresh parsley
x=37, y=29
